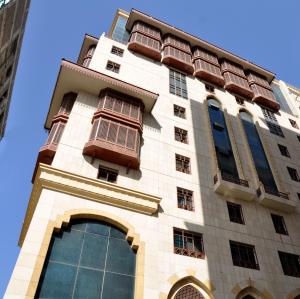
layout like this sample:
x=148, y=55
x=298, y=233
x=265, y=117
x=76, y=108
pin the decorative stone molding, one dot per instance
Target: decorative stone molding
x=189, y=276
x=54, y=179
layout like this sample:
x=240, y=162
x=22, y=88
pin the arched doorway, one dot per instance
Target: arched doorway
x=188, y=292
x=88, y=259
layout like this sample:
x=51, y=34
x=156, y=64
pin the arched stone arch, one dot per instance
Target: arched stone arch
x=64, y=220
x=251, y=288
x=213, y=97
x=189, y=277
x=295, y=294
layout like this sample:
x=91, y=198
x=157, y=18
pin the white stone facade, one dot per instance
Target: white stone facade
x=158, y=177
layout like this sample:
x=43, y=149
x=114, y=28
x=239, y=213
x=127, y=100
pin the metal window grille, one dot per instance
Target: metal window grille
x=112, y=66
x=293, y=174
x=235, y=213
x=188, y=243
x=269, y=115
x=290, y=263
x=178, y=84
x=279, y=224
x=275, y=129
x=182, y=163
x=185, y=199
x=107, y=174
x=180, y=111
x=240, y=101
x=209, y=88
x=243, y=255
x=117, y=51
x=283, y=150
x=188, y=292
x=181, y=135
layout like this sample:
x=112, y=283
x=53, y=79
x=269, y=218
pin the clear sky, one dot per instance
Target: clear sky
x=263, y=31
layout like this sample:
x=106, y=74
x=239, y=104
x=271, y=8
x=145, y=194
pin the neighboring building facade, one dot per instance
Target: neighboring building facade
x=13, y=14
x=170, y=171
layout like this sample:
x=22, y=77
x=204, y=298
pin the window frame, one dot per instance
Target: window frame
x=275, y=129
x=181, y=111
x=209, y=88
x=183, y=160
x=181, y=135
x=293, y=174
x=289, y=271
x=178, y=84
x=109, y=171
x=279, y=224
x=237, y=209
x=115, y=67
x=284, y=150
x=117, y=51
x=187, y=196
x=293, y=123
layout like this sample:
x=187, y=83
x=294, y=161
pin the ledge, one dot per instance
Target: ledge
x=74, y=77
x=62, y=181
x=233, y=187
x=279, y=201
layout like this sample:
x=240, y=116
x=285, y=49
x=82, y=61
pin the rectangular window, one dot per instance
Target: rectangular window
x=181, y=135
x=290, y=263
x=235, y=212
x=279, y=224
x=269, y=115
x=293, y=123
x=298, y=137
x=179, y=111
x=112, y=66
x=284, y=151
x=293, y=174
x=178, y=84
x=183, y=164
x=275, y=129
x=298, y=194
x=117, y=51
x=107, y=174
x=188, y=243
x=209, y=88
x=185, y=199
x=243, y=255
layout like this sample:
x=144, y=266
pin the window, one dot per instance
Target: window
x=290, y=263
x=185, y=199
x=181, y=135
x=120, y=33
x=178, y=84
x=243, y=255
x=239, y=101
x=106, y=174
x=269, y=115
x=209, y=88
x=293, y=174
x=8, y=72
x=188, y=292
x=298, y=137
x=88, y=259
x=235, y=212
x=183, y=164
x=298, y=194
x=112, y=66
x=117, y=51
x=293, y=123
x=275, y=129
x=284, y=151
x=279, y=224
x=180, y=111
x=188, y=243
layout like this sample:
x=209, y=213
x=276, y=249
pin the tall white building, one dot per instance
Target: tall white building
x=170, y=171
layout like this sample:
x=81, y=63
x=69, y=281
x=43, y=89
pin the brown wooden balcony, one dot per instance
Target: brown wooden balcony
x=114, y=142
x=145, y=40
x=207, y=67
x=275, y=199
x=231, y=186
x=235, y=79
x=177, y=53
x=262, y=91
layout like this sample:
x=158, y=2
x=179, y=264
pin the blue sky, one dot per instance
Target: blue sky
x=263, y=31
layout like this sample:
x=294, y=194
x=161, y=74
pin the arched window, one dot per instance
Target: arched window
x=260, y=160
x=188, y=292
x=88, y=259
x=225, y=157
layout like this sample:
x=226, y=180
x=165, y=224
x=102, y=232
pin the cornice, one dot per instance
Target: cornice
x=57, y=180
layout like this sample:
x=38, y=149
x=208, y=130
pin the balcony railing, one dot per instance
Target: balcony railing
x=188, y=252
x=232, y=179
x=272, y=192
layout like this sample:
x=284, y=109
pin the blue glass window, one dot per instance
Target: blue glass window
x=120, y=33
x=260, y=160
x=89, y=259
x=226, y=161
